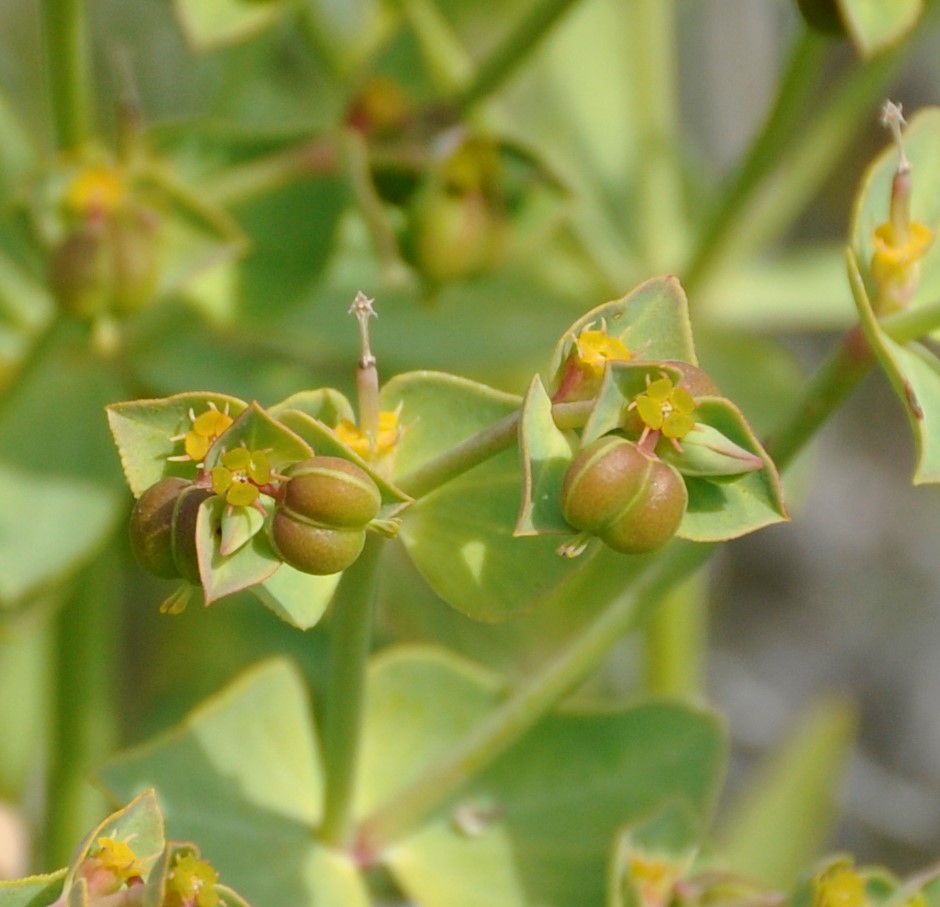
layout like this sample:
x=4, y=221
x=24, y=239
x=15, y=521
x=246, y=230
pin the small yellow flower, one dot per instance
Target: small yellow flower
x=594, y=349
x=206, y=430
x=117, y=858
x=356, y=439
x=97, y=190
x=840, y=886
x=666, y=409
x=654, y=879
x=240, y=474
x=192, y=884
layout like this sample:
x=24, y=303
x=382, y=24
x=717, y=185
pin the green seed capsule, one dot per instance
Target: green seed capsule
x=319, y=550
x=632, y=500
x=331, y=492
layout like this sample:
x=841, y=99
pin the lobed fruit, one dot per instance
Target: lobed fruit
x=320, y=550
x=332, y=492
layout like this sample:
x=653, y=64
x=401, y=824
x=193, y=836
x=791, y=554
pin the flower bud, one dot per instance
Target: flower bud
x=331, y=492
x=320, y=550
x=163, y=528
x=631, y=499
x=708, y=453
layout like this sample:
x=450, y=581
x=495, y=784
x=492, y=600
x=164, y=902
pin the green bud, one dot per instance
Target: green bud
x=707, y=452
x=319, y=550
x=163, y=528
x=630, y=499
x=331, y=492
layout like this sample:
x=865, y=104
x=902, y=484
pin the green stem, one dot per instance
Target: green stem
x=797, y=83
x=448, y=63
x=350, y=640
x=676, y=639
x=66, y=40
x=530, y=701
x=514, y=49
x=655, y=104
x=480, y=447
x=83, y=731
x=838, y=376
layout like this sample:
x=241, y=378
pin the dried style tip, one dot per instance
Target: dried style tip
x=367, y=377
x=892, y=118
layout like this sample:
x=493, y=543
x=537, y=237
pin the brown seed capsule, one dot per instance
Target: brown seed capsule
x=163, y=528
x=632, y=500
x=320, y=550
x=331, y=492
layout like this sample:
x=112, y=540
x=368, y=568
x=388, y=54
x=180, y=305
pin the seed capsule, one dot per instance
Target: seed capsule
x=163, y=528
x=631, y=500
x=320, y=550
x=331, y=492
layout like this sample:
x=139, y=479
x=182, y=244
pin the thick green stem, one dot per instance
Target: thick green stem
x=480, y=447
x=838, y=376
x=66, y=39
x=514, y=50
x=83, y=731
x=350, y=640
x=658, y=178
x=530, y=701
x=676, y=639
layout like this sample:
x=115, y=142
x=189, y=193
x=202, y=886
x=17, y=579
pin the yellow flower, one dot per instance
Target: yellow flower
x=207, y=428
x=240, y=475
x=356, y=439
x=192, y=883
x=117, y=858
x=594, y=349
x=96, y=191
x=666, y=409
x=840, y=886
x=654, y=879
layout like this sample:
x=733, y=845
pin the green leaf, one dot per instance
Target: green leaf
x=781, y=821
x=546, y=454
x=922, y=147
x=144, y=431
x=349, y=31
x=295, y=597
x=257, y=430
x=211, y=23
x=725, y=510
x=460, y=535
x=535, y=827
x=914, y=373
x=652, y=321
x=324, y=404
x=59, y=478
x=35, y=891
x=875, y=25
x=251, y=564
x=241, y=777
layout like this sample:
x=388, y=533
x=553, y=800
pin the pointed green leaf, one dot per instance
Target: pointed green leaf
x=780, y=823
x=211, y=23
x=241, y=777
x=255, y=429
x=652, y=321
x=872, y=204
x=144, y=431
x=324, y=404
x=295, y=597
x=914, y=373
x=238, y=528
x=249, y=565
x=875, y=25
x=562, y=790
x=725, y=510
x=546, y=454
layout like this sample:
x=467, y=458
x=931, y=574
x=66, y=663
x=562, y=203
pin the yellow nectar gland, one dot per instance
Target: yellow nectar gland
x=654, y=879
x=240, y=476
x=192, y=883
x=117, y=858
x=593, y=349
x=96, y=191
x=840, y=886
x=666, y=409
x=207, y=428
x=360, y=442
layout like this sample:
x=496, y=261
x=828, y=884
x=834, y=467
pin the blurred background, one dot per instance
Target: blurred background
x=262, y=264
